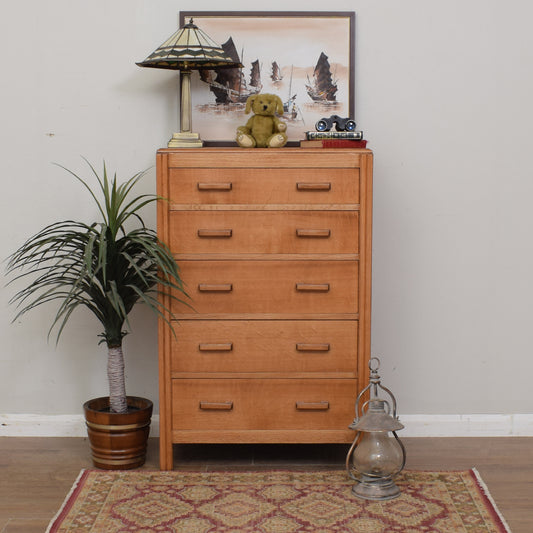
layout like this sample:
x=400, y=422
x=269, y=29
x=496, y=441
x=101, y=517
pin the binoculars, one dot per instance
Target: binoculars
x=341, y=124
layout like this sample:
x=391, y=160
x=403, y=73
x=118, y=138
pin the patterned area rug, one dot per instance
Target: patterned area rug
x=274, y=501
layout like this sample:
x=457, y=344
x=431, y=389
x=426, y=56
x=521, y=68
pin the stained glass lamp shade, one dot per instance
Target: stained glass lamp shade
x=188, y=49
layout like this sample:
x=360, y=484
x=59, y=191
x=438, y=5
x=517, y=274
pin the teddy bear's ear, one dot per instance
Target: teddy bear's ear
x=279, y=105
x=249, y=103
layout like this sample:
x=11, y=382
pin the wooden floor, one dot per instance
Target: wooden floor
x=37, y=473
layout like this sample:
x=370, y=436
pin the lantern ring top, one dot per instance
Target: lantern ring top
x=374, y=363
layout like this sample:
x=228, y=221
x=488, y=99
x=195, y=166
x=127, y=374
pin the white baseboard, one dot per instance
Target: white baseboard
x=27, y=425
x=520, y=425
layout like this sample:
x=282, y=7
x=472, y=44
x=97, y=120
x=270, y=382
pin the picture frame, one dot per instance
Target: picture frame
x=307, y=58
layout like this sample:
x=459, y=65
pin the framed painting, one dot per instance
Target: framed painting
x=306, y=58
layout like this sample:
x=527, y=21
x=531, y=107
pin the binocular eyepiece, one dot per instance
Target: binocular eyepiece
x=341, y=124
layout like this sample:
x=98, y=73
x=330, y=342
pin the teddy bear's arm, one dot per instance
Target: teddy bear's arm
x=278, y=125
x=248, y=128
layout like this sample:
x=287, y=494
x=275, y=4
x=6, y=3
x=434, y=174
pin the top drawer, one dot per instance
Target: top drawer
x=264, y=186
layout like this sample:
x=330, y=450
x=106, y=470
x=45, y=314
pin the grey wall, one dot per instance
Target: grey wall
x=443, y=95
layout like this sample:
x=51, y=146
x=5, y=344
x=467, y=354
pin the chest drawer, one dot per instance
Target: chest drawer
x=280, y=287
x=276, y=346
x=267, y=404
x=264, y=186
x=264, y=232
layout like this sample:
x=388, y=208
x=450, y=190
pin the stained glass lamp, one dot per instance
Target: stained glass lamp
x=186, y=50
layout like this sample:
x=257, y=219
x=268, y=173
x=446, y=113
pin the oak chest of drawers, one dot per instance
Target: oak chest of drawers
x=274, y=247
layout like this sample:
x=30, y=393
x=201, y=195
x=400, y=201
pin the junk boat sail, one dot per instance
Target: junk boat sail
x=255, y=77
x=229, y=85
x=276, y=72
x=322, y=88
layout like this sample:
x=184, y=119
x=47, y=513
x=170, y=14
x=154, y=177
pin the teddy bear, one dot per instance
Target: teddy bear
x=264, y=129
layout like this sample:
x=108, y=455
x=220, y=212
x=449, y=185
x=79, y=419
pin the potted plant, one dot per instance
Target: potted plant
x=107, y=267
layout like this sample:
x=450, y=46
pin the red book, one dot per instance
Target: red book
x=343, y=143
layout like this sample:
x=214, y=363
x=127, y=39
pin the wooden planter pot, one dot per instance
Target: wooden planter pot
x=118, y=441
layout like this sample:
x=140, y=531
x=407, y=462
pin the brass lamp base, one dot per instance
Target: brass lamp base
x=375, y=489
x=185, y=140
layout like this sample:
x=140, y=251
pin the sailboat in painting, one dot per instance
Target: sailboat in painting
x=276, y=72
x=322, y=88
x=229, y=85
x=291, y=110
x=255, y=77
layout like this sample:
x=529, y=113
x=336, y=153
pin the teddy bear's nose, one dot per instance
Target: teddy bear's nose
x=265, y=107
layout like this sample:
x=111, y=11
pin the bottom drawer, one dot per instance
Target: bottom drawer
x=263, y=404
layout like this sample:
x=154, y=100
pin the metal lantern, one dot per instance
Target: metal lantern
x=377, y=454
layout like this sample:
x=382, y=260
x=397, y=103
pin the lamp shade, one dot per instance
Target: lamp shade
x=189, y=49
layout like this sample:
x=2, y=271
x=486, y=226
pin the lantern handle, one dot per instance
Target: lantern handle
x=349, y=468
x=391, y=397
x=378, y=364
x=404, y=454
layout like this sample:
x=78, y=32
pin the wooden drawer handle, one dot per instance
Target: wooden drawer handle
x=224, y=233
x=215, y=287
x=313, y=186
x=312, y=287
x=216, y=406
x=312, y=406
x=324, y=233
x=214, y=186
x=306, y=347
x=215, y=347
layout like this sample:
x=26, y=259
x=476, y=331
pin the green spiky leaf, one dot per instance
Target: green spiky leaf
x=102, y=266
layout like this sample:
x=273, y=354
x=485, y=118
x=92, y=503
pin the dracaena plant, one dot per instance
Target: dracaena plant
x=106, y=266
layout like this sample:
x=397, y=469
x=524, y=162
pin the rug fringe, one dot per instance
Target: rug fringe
x=489, y=497
x=65, y=501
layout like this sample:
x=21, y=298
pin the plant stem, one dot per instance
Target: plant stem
x=115, y=375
